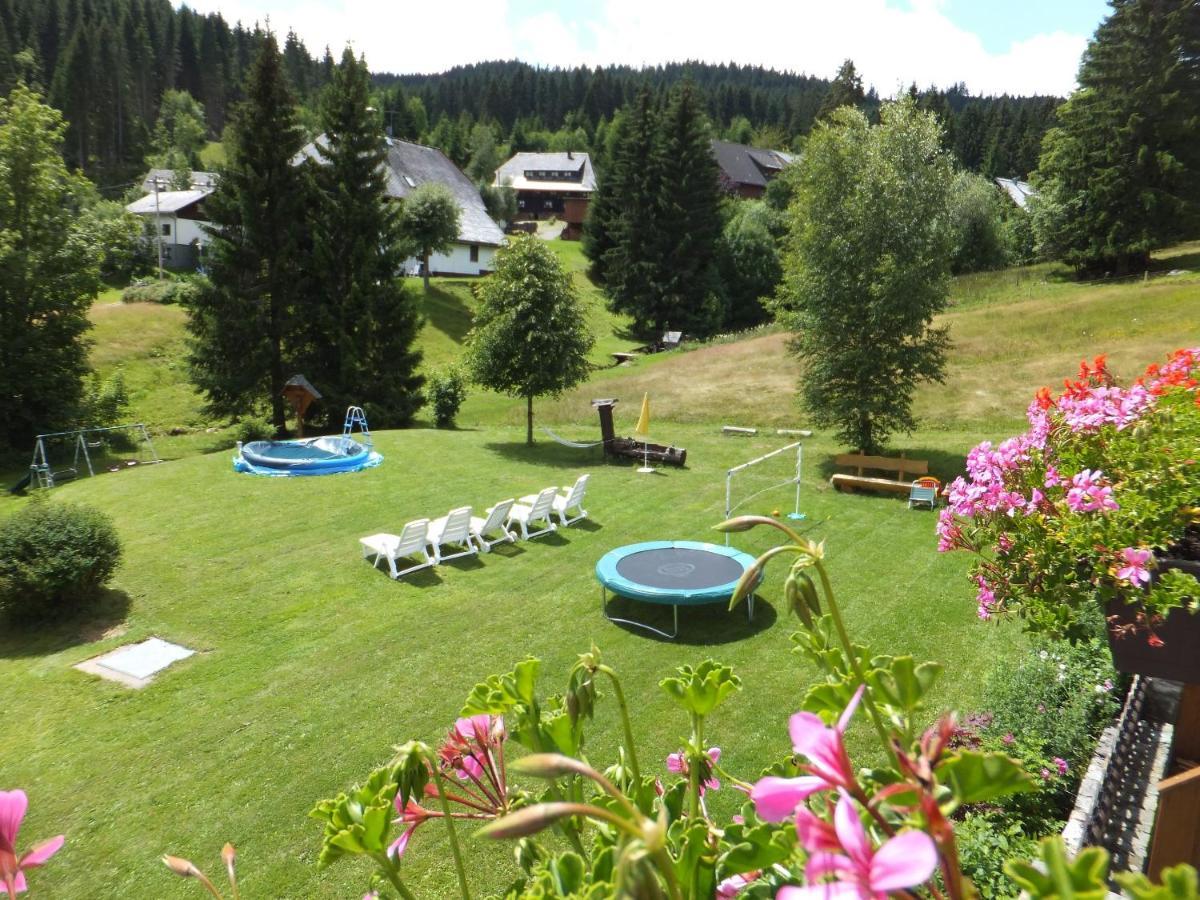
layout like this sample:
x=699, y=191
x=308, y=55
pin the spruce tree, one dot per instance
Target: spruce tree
x=243, y=323
x=360, y=321
x=846, y=89
x=688, y=200
x=632, y=185
x=1120, y=175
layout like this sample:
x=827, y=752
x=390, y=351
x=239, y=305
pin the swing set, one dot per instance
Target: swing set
x=84, y=442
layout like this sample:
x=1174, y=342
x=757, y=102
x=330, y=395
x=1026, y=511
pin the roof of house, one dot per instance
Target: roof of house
x=513, y=172
x=166, y=177
x=1019, y=191
x=166, y=202
x=411, y=165
x=743, y=164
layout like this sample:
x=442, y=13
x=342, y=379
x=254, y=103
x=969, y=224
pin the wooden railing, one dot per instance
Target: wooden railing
x=1108, y=797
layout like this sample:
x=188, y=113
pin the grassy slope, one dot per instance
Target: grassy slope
x=315, y=664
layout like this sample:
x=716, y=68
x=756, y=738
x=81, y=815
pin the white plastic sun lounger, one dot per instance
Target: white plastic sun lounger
x=571, y=498
x=496, y=517
x=452, y=529
x=413, y=540
x=540, y=510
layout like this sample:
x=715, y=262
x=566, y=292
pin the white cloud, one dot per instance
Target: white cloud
x=891, y=47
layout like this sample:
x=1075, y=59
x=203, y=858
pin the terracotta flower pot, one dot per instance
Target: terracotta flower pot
x=1178, y=659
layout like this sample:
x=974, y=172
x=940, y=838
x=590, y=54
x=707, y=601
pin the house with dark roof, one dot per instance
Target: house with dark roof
x=746, y=170
x=411, y=165
x=551, y=185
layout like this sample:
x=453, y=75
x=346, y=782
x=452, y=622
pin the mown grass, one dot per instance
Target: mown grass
x=313, y=665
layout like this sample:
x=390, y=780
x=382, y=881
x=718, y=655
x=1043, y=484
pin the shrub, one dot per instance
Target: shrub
x=105, y=401
x=254, y=430
x=166, y=291
x=445, y=392
x=55, y=558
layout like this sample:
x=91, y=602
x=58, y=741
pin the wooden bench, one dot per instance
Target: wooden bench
x=862, y=464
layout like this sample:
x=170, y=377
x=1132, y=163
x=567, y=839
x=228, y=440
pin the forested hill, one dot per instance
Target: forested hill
x=992, y=135
x=107, y=63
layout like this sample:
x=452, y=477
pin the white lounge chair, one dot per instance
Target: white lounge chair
x=413, y=540
x=496, y=517
x=539, y=510
x=572, y=499
x=452, y=528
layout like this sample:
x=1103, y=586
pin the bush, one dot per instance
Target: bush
x=445, y=392
x=105, y=401
x=54, y=559
x=254, y=430
x=166, y=291
x=976, y=214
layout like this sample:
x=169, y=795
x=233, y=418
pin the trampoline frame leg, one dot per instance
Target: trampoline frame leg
x=674, y=610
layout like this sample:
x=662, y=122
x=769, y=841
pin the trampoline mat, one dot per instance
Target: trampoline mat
x=679, y=568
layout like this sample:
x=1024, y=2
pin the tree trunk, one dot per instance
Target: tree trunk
x=866, y=434
x=529, y=420
x=425, y=270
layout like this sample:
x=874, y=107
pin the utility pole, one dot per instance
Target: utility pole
x=158, y=228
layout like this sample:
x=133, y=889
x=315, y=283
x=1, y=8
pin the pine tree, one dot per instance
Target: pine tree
x=688, y=209
x=360, y=321
x=1120, y=175
x=244, y=322
x=846, y=89
x=625, y=225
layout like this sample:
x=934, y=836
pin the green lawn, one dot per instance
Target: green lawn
x=313, y=665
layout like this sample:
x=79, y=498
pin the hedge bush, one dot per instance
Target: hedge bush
x=166, y=291
x=54, y=559
x=445, y=392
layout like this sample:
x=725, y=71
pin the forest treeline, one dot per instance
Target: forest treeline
x=105, y=64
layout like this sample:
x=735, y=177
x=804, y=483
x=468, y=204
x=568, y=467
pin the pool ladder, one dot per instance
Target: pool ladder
x=355, y=416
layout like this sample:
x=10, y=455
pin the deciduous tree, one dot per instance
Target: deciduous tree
x=429, y=221
x=867, y=269
x=48, y=273
x=531, y=337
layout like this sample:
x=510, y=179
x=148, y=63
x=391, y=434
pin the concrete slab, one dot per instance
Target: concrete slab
x=136, y=664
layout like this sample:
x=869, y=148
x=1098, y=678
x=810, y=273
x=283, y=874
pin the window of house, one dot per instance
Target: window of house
x=474, y=253
x=410, y=181
x=166, y=229
x=549, y=204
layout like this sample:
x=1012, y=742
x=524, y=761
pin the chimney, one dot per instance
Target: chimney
x=570, y=155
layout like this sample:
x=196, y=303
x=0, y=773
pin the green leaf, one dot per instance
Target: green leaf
x=756, y=847
x=1084, y=878
x=904, y=684
x=1178, y=883
x=703, y=689
x=975, y=777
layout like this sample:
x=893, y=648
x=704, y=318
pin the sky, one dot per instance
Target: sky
x=995, y=46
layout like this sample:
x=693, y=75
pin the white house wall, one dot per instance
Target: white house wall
x=457, y=261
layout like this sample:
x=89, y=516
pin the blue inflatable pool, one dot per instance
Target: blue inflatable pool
x=313, y=456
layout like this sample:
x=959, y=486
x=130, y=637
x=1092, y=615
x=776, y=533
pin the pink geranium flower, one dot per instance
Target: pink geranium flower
x=1135, y=571
x=828, y=766
x=735, y=884
x=13, y=805
x=677, y=762
x=1088, y=493
x=859, y=870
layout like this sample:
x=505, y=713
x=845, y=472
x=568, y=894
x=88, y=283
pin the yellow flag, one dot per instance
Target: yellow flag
x=643, y=423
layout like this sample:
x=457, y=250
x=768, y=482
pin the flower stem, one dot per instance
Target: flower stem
x=667, y=866
x=633, y=763
x=393, y=875
x=844, y=637
x=454, y=848
x=694, y=766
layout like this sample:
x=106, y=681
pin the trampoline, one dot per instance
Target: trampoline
x=315, y=456
x=672, y=573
